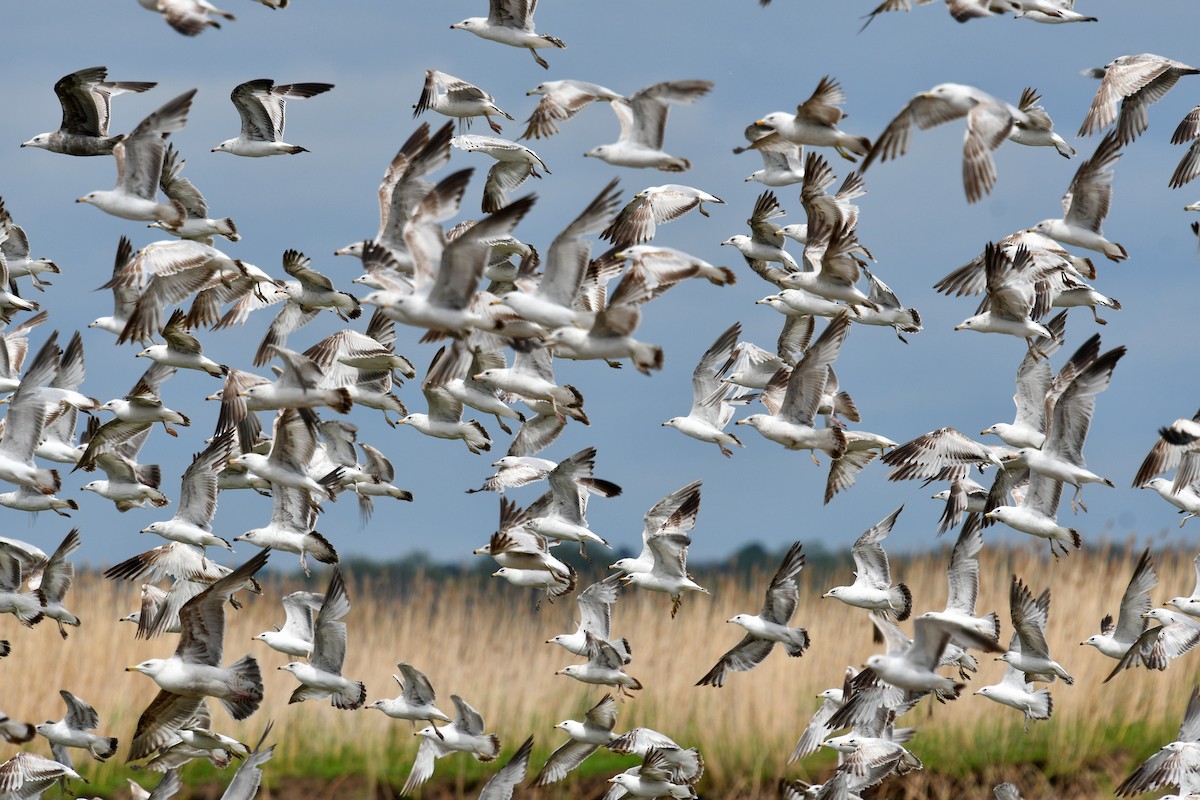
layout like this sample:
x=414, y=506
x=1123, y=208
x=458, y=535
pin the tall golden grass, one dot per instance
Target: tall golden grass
x=488, y=645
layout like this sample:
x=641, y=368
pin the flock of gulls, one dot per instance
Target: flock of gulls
x=453, y=285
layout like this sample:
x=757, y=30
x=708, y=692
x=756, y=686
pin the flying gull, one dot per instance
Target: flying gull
x=261, y=105
x=86, y=100
x=643, y=119
x=511, y=22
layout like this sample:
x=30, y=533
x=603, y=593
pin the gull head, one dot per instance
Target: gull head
x=831, y=694
x=597, y=152
x=468, y=24
x=1045, y=226
x=875, y=662
x=225, y=146
x=968, y=324
x=997, y=513
x=1159, y=615
x=94, y=486
x=148, y=667
x=90, y=197
x=1094, y=641
x=42, y=140
x=944, y=494
x=738, y=619
x=773, y=120
x=378, y=704
x=671, y=422
x=153, y=527
x=248, y=536
x=754, y=420
x=834, y=592
x=1181, y=603
x=571, y=670
x=291, y=666
x=985, y=691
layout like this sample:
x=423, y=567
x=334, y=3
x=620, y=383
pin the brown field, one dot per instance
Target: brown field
x=487, y=645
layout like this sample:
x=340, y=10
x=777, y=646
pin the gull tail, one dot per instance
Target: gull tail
x=351, y=698
x=226, y=228
x=797, y=642
x=108, y=748
x=29, y=607
x=320, y=548
x=900, y=600
x=723, y=276
x=340, y=400
x=1042, y=705
x=246, y=688
x=491, y=749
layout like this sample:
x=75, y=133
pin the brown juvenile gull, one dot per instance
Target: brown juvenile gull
x=560, y=101
x=1136, y=82
x=815, y=123
x=86, y=98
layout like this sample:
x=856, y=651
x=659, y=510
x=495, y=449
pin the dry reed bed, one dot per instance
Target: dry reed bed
x=487, y=644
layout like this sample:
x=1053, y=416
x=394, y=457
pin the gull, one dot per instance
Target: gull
x=26, y=776
x=1115, y=639
x=560, y=101
x=712, y=399
x=561, y=512
x=1051, y=12
x=500, y=786
x=834, y=260
x=296, y=636
x=819, y=726
x=1086, y=204
x=455, y=371
x=669, y=571
x=1029, y=623
x=454, y=97
x=667, y=261
x=197, y=225
x=248, y=777
x=403, y=187
x=444, y=420
x=604, y=666
x=1136, y=82
x=767, y=627
x=72, y=731
x=962, y=575
x=182, y=349
x=1036, y=513
x=815, y=123
x=594, y=732
x=554, y=584
x=888, y=311
x=791, y=423
x=261, y=105
x=1190, y=604
x=86, y=100
x=510, y=22
x=291, y=528
x=1034, y=379
x=134, y=416
x=783, y=161
x=1187, y=500
x=1176, y=448
x=643, y=119
x=656, y=777
x=516, y=471
x=416, y=700
x=194, y=671
x=552, y=305
x=58, y=574
x=513, y=545
x=872, y=587
x=465, y=734
x=913, y=669
x=447, y=274
x=964, y=496
x=298, y=387
x=1016, y=690
x=765, y=242
x=610, y=336
x=125, y=297
x=653, y=206
x=675, y=513
x=1174, y=763
x=1189, y=167
x=189, y=17
x=1014, y=303
x=514, y=165
x=25, y=421
x=15, y=249
x=292, y=445
x=944, y=454
x=192, y=523
x=1048, y=257
x=531, y=377
x=1061, y=455
x=990, y=122
x=322, y=677
x=380, y=474
x=1175, y=635
x=595, y=618
x=139, y=159
x=15, y=732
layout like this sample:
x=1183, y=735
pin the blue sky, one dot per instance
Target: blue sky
x=915, y=220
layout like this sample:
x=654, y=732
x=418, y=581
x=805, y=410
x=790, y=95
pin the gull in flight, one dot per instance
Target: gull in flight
x=86, y=100
x=261, y=105
x=511, y=22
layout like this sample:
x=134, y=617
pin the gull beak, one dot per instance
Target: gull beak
x=132, y=669
x=825, y=595
x=739, y=422
x=958, y=327
x=759, y=123
x=400, y=422
x=559, y=672
x=278, y=668
x=985, y=432
x=213, y=150
x=80, y=200
x=666, y=424
x=496, y=574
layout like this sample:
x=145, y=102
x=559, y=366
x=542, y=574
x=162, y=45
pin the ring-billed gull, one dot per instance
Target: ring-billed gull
x=454, y=97
x=197, y=225
x=653, y=206
x=26, y=776
x=12, y=731
x=189, y=17
x=192, y=523
x=765, y=242
x=1086, y=204
x=913, y=669
x=1136, y=82
x=560, y=101
x=1158, y=645
x=587, y=737
x=515, y=164
x=295, y=638
x=605, y=666
x=416, y=700
x=657, y=776
x=962, y=575
x=669, y=572
x=819, y=726
x=72, y=731
x=712, y=398
x=872, y=587
x=1014, y=302
x=674, y=513
x=1029, y=617
x=1190, y=604
x=783, y=161
x=595, y=618
x=321, y=677
x=511, y=22
x=139, y=158
x=1172, y=763
x=768, y=626
x=561, y=512
x=465, y=734
x=261, y=105
x=57, y=577
x=815, y=123
x=1016, y=690
x=194, y=671
x=86, y=100
x=643, y=119
x=513, y=545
